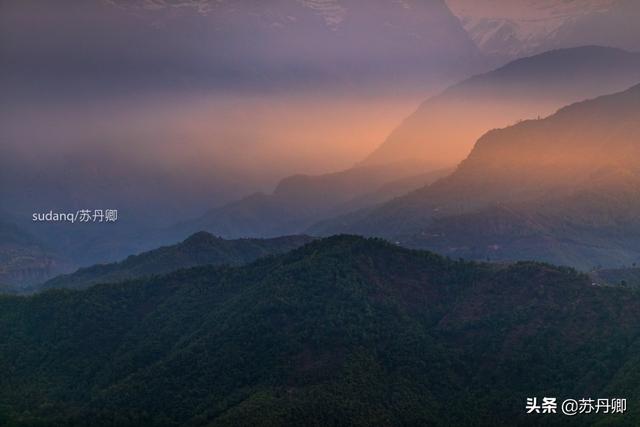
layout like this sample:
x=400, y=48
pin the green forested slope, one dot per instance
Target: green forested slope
x=343, y=331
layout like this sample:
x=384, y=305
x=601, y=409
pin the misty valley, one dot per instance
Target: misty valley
x=319, y=212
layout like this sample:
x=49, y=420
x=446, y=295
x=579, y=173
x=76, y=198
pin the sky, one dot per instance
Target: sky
x=138, y=102
x=209, y=100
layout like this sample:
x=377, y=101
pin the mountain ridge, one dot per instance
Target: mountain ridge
x=431, y=139
x=201, y=248
x=300, y=200
x=574, y=177
x=525, y=88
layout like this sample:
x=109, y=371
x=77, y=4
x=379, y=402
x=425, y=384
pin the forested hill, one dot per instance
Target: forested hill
x=200, y=248
x=343, y=331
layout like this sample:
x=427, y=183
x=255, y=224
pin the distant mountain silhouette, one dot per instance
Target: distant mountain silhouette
x=439, y=133
x=301, y=200
x=343, y=331
x=199, y=249
x=564, y=189
x=444, y=128
x=193, y=60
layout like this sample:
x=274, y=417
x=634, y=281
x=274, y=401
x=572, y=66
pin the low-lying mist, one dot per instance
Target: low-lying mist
x=179, y=155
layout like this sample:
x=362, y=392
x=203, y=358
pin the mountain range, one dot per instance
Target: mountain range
x=486, y=253
x=160, y=98
x=428, y=142
x=301, y=200
x=526, y=88
x=562, y=189
x=415, y=154
x=342, y=330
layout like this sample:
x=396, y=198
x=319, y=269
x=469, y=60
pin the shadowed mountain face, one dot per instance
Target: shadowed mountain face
x=562, y=189
x=341, y=329
x=444, y=128
x=199, y=249
x=24, y=260
x=624, y=276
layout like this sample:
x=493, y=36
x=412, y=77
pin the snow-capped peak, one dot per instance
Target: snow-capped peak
x=516, y=27
x=331, y=11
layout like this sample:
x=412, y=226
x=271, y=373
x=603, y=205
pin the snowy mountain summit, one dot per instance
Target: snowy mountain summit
x=524, y=27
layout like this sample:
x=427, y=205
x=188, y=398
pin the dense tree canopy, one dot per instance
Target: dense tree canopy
x=343, y=331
